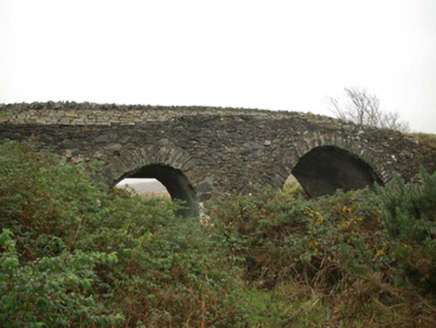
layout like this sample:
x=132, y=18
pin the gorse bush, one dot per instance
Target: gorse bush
x=281, y=234
x=363, y=255
x=55, y=290
x=409, y=215
x=72, y=254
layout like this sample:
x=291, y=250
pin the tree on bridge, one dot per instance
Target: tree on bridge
x=363, y=108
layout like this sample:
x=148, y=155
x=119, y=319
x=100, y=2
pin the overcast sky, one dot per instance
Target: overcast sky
x=278, y=55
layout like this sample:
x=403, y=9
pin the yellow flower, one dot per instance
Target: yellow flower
x=379, y=253
x=320, y=220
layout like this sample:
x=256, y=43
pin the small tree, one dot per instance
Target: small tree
x=363, y=108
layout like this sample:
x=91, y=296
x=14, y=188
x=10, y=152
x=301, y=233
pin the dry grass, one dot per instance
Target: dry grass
x=291, y=181
x=155, y=194
x=426, y=139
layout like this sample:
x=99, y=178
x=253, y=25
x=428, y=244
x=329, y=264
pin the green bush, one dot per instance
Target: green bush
x=354, y=251
x=72, y=252
x=282, y=234
x=54, y=290
x=409, y=215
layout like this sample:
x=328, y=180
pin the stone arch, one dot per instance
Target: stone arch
x=325, y=169
x=169, y=165
x=176, y=183
x=343, y=158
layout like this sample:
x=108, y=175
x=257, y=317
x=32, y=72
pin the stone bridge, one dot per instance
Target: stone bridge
x=200, y=153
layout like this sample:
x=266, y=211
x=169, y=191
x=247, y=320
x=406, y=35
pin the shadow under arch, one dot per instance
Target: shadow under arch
x=325, y=169
x=176, y=183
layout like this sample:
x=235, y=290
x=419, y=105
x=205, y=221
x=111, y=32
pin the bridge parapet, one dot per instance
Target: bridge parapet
x=79, y=114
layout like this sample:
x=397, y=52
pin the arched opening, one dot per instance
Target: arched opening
x=325, y=169
x=175, y=182
x=146, y=188
x=292, y=185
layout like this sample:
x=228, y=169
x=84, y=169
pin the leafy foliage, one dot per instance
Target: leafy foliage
x=73, y=254
x=409, y=215
x=355, y=257
x=55, y=290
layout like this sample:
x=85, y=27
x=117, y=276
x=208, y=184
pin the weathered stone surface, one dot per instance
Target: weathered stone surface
x=251, y=145
x=215, y=151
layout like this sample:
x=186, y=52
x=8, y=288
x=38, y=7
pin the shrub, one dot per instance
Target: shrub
x=345, y=249
x=54, y=290
x=409, y=215
x=72, y=252
x=278, y=234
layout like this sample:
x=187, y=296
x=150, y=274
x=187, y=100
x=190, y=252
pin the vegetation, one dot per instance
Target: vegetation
x=74, y=255
x=363, y=108
x=426, y=139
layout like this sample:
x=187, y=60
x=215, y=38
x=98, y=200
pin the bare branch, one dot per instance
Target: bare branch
x=336, y=109
x=363, y=108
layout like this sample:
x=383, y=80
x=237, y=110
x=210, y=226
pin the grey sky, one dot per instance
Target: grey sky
x=279, y=55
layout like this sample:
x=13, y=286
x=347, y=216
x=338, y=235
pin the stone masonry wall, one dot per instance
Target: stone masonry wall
x=220, y=150
x=70, y=113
